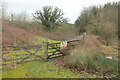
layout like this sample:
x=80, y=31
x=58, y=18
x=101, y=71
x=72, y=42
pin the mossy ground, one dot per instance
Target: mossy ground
x=41, y=69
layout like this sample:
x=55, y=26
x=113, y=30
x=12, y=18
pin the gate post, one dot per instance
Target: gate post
x=84, y=35
x=46, y=50
x=14, y=41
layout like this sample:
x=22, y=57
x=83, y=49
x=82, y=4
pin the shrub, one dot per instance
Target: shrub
x=81, y=58
x=107, y=31
x=90, y=58
x=68, y=31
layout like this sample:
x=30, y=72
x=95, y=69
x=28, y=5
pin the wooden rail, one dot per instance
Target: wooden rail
x=57, y=49
x=52, y=51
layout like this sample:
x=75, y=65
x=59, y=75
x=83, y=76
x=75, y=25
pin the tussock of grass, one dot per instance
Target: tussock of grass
x=91, y=58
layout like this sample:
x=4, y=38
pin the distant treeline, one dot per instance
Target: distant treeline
x=100, y=20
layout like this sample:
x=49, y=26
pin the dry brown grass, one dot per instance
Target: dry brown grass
x=23, y=36
x=11, y=30
x=94, y=42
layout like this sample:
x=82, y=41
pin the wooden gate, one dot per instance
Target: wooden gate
x=22, y=54
x=53, y=50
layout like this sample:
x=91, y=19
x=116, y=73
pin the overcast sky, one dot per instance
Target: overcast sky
x=71, y=8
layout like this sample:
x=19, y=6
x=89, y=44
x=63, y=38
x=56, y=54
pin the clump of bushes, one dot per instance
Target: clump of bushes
x=88, y=58
x=97, y=20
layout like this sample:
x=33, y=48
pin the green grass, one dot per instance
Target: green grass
x=42, y=39
x=41, y=69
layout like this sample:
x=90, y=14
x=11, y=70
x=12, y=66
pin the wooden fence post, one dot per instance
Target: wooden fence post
x=84, y=35
x=14, y=41
x=46, y=50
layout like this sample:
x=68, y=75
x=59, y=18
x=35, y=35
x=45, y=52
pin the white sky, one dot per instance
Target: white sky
x=71, y=8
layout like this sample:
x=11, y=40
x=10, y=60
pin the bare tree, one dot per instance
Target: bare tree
x=3, y=10
x=23, y=16
x=21, y=19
